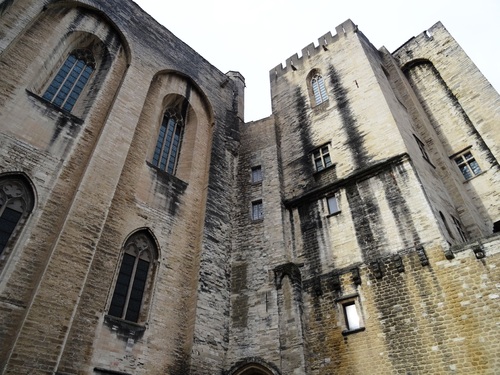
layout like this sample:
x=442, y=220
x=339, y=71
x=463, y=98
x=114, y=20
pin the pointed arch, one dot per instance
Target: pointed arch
x=17, y=199
x=80, y=62
x=316, y=87
x=169, y=142
x=135, y=277
x=253, y=366
x=183, y=121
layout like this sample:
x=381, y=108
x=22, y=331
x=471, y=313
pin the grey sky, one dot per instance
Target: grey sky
x=252, y=37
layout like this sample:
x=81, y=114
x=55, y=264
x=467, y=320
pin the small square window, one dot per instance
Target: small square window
x=257, y=210
x=321, y=158
x=467, y=165
x=333, y=205
x=256, y=174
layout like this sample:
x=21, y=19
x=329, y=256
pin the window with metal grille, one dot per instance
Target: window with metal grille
x=71, y=79
x=257, y=210
x=169, y=141
x=319, y=90
x=467, y=165
x=321, y=158
x=256, y=174
x=132, y=278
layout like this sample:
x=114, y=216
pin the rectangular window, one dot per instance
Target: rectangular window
x=333, y=205
x=321, y=158
x=467, y=165
x=257, y=210
x=352, y=320
x=350, y=314
x=256, y=174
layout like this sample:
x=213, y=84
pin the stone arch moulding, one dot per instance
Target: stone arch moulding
x=107, y=45
x=291, y=270
x=318, y=94
x=92, y=9
x=174, y=92
x=192, y=87
x=15, y=186
x=141, y=240
x=157, y=249
x=253, y=366
x=414, y=63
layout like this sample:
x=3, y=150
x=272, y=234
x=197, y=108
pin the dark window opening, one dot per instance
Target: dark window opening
x=468, y=165
x=257, y=174
x=71, y=79
x=132, y=280
x=257, y=210
x=321, y=158
x=169, y=141
x=318, y=88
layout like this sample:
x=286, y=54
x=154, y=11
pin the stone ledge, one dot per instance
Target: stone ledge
x=124, y=328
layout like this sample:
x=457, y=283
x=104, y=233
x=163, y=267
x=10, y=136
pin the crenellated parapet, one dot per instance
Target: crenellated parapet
x=324, y=42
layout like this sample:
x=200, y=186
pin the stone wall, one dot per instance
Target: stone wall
x=252, y=271
x=95, y=187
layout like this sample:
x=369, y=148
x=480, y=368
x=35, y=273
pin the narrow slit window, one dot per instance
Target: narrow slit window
x=443, y=219
x=460, y=228
x=421, y=146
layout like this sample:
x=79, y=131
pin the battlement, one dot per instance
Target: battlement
x=295, y=62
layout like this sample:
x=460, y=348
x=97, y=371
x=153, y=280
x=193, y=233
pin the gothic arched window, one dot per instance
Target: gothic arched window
x=71, y=78
x=318, y=88
x=169, y=141
x=134, y=277
x=16, y=203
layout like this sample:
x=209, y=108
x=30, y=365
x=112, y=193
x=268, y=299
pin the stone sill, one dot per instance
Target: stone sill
x=111, y=372
x=473, y=177
x=334, y=214
x=332, y=166
x=348, y=332
x=64, y=113
x=124, y=327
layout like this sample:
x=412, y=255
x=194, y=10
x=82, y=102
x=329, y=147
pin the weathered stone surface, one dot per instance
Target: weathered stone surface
x=409, y=246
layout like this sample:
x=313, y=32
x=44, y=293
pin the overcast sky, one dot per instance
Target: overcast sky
x=252, y=37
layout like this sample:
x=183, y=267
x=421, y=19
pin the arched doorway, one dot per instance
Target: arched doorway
x=253, y=369
x=253, y=366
